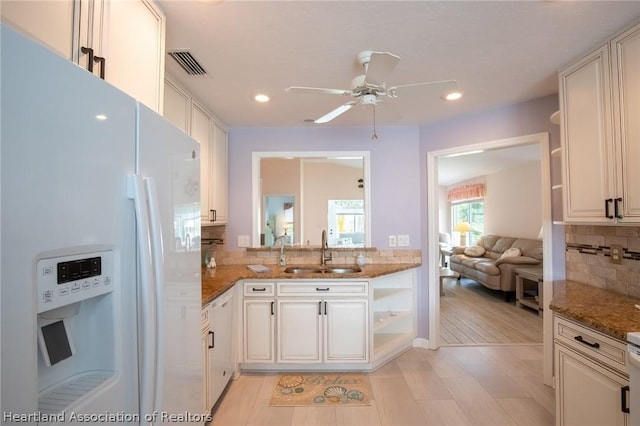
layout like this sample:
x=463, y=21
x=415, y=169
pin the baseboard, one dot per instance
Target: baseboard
x=420, y=342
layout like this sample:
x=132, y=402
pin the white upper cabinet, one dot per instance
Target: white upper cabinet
x=601, y=133
x=625, y=51
x=120, y=41
x=187, y=113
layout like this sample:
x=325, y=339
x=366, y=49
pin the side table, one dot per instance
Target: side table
x=525, y=294
x=446, y=273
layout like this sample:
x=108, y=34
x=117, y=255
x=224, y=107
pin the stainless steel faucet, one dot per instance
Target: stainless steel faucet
x=282, y=261
x=324, y=254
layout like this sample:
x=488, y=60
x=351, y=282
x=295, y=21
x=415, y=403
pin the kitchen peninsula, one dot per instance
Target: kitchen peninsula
x=218, y=280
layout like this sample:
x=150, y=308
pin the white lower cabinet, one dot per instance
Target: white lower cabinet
x=258, y=322
x=306, y=322
x=218, y=346
x=592, y=381
x=323, y=330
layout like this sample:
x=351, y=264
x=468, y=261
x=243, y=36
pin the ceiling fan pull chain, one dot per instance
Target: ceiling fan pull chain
x=374, y=135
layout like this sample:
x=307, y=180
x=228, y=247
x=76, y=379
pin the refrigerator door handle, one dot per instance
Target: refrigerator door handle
x=157, y=258
x=146, y=296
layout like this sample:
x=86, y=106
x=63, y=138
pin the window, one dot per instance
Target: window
x=471, y=211
x=346, y=223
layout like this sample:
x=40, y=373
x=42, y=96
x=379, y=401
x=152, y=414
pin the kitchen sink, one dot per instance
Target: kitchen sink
x=309, y=269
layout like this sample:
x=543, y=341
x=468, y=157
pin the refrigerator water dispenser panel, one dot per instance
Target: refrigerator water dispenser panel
x=68, y=279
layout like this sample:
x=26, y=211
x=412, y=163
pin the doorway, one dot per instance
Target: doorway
x=542, y=139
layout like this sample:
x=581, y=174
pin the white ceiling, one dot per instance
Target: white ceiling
x=452, y=170
x=500, y=53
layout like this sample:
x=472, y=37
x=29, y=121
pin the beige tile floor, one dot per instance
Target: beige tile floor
x=457, y=385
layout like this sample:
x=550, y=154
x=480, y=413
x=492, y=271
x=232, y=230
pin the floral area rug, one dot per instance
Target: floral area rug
x=322, y=389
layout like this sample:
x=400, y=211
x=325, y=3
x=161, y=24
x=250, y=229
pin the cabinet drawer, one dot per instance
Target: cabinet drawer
x=305, y=288
x=258, y=288
x=204, y=317
x=609, y=351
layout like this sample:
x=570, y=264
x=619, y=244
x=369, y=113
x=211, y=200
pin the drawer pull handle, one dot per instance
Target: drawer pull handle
x=322, y=289
x=623, y=399
x=581, y=340
x=259, y=289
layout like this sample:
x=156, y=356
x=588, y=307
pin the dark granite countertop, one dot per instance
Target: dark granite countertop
x=611, y=313
x=217, y=281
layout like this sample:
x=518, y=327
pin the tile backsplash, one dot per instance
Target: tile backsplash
x=213, y=238
x=588, y=257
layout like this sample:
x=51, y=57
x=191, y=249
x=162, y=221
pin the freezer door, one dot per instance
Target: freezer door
x=169, y=162
x=67, y=147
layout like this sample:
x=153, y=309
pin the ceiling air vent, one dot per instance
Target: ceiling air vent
x=187, y=62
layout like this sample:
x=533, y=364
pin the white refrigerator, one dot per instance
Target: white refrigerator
x=100, y=295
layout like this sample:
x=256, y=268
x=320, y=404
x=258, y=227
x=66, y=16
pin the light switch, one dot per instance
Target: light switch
x=403, y=241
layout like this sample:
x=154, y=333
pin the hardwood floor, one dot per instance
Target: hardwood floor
x=473, y=314
x=456, y=385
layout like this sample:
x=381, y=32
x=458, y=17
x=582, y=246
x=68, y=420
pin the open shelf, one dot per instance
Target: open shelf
x=382, y=293
x=386, y=342
x=387, y=319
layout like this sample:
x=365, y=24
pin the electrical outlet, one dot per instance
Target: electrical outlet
x=403, y=241
x=615, y=253
x=243, y=241
x=392, y=241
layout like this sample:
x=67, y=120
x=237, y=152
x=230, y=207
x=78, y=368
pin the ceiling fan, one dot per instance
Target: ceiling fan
x=366, y=89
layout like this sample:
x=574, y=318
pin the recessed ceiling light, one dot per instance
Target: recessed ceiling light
x=453, y=96
x=262, y=98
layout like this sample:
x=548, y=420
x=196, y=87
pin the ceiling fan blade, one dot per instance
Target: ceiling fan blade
x=380, y=66
x=439, y=88
x=336, y=112
x=297, y=89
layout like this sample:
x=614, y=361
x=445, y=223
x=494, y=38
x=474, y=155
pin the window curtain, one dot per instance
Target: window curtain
x=466, y=192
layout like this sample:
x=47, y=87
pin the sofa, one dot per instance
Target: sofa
x=493, y=260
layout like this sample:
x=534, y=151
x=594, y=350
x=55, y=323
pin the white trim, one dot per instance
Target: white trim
x=432, y=239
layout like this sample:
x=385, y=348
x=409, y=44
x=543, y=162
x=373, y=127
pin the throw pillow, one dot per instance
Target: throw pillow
x=474, y=251
x=512, y=252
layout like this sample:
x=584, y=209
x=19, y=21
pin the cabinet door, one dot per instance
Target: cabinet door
x=346, y=330
x=218, y=173
x=587, y=393
x=207, y=356
x=49, y=22
x=587, y=139
x=177, y=106
x=201, y=128
x=299, y=330
x=134, y=50
x=259, y=336
x=221, y=324
x=626, y=69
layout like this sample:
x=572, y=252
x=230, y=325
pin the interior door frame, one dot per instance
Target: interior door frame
x=542, y=139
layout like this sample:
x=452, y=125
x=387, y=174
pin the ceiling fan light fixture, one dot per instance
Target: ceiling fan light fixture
x=333, y=114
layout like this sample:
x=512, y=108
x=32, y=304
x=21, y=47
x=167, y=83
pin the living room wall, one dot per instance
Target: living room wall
x=511, y=202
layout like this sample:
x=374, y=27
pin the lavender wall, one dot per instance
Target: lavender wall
x=395, y=173
x=398, y=169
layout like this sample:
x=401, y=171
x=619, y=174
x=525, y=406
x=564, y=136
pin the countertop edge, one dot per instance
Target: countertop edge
x=603, y=310
x=217, y=281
